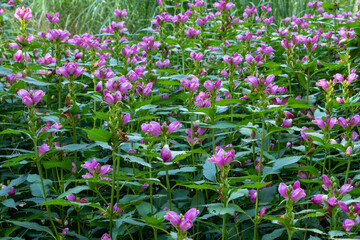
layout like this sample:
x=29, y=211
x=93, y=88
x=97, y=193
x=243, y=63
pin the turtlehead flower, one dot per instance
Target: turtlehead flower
x=120, y=13
x=328, y=124
x=153, y=128
x=296, y=194
x=191, y=85
x=43, y=149
x=23, y=14
x=52, y=19
x=95, y=169
x=196, y=56
x=348, y=224
x=319, y=199
x=166, y=153
x=71, y=70
x=106, y=237
x=223, y=158
x=182, y=222
x=32, y=97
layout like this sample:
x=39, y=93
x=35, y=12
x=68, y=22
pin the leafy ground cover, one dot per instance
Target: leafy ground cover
x=216, y=124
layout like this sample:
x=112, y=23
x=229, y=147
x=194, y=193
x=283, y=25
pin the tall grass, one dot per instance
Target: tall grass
x=79, y=16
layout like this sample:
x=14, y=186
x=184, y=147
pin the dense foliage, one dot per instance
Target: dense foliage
x=216, y=124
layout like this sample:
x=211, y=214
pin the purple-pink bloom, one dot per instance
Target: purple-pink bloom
x=348, y=224
x=282, y=190
x=71, y=197
x=345, y=189
x=173, y=217
x=297, y=194
x=43, y=149
x=253, y=81
x=343, y=206
x=165, y=153
x=174, y=126
x=185, y=225
x=106, y=237
x=323, y=83
x=191, y=214
x=319, y=199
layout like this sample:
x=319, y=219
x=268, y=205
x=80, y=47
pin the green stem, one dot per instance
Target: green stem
x=78, y=222
x=224, y=233
x=324, y=163
x=151, y=190
x=259, y=179
x=168, y=186
x=32, y=118
x=347, y=170
x=114, y=176
x=183, y=60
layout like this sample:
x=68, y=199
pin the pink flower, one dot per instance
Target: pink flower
x=71, y=70
x=196, y=56
x=323, y=83
x=319, y=199
x=287, y=123
x=43, y=149
x=18, y=56
x=166, y=153
x=174, y=126
x=71, y=197
x=173, y=217
x=126, y=118
x=108, y=98
x=298, y=194
x=106, y=237
x=23, y=15
x=331, y=201
x=262, y=212
x=191, y=214
x=348, y=151
x=209, y=85
x=154, y=128
x=52, y=19
x=343, y=206
x=185, y=225
x=252, y=195
x=345, y=189
x=120, y=14
x=253, y=81
x=222, y=158
x=348, y=224
x=282, y=189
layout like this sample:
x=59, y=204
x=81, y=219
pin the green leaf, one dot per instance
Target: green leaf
x=274, y=234
x=10, y=131
x=10, y=203
x=237, y=193
x=280, y=163
x=36, y=82
x=33, y=226
x=74, y=147
x=335, y=233
x=219, y=209
x=177, y=171
x=74, y=190
x=62, y=202
x=53, y=163
x=13, y=183
x=310, y=230
x=209, y=171
x=100, y=135
x=135, y=159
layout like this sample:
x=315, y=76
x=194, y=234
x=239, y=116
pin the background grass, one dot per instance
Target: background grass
x=79, y=16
